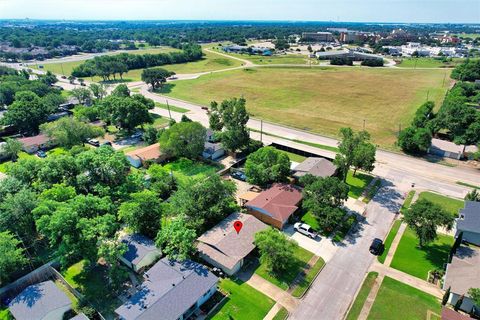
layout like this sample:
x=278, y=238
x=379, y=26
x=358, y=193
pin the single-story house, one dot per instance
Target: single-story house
x=247, y=196
x=226, y=249
x=450, y=314
x=58, y=115
x=318, y=167
x=275, y=205
x=213, y=151
x=172, y=290
x=447, y=149
x=40, y=301
x=33, y=144
x=141, y=252
x=462, y=274
x=141, y=157
x=468, y=222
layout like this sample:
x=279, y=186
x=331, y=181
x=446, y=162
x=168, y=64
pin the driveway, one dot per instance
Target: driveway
x=321, y=246
x=333, y=290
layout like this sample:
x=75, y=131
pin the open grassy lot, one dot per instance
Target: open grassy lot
x=185, y=169
x=408, y=201
x=357, y=183
x=294, y=157
x=388, y=241
x=323, y=99
x=283, y=281
x=302, y=287
x=449, y=204
x=411, y=259
x=243, y=302
x=362, y=296
x=275, y=59
x=427, y=63
x=396, y=300
x=159, y=121
x=93, y=284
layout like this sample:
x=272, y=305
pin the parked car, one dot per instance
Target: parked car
x=106, y=143
x=239, y=175
x=137, y=135
x=64, y=77
x=305, y=229
x=376, y=247
x=41, y=154
x=94, y=142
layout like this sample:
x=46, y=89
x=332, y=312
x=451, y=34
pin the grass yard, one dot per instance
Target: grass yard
x=449, y=204
x=93, y=284
x=323, y=99
x=284, y=280
x=396, y=300
x=159, y=121
x=243, y=302
x=172, y=108
x=427, y=63
x=185, y=169
x=276, y=59
x=408, y=201
x=467, y=185
x=302, y=287
x=21, y=155
x=418, y=262
x=311, y=220
x=362, y=296
x=357, y=183
x=282, y=314
x=294, y=157
x=388, y=241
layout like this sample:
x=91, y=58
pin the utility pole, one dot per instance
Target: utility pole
x=261, y=131
x=363, y=124
x=169, y=113
x=399, y=128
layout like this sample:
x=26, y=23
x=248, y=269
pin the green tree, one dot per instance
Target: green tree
x=121, y=91
x=469, y=70
x=110, y=251
x=162, y=181
x=151, y=135
x=424, y=217
x=356, y=150
x=156, y=77
x=17, y=215
x=184, y=139
x=423, y=115
x=125, y=112
x=12, y=148
x=12, y=257
x=415, y=140
x=267, y=165
x=83, y=95
x=176, y=239
x=142, y=213
x=473, y=195
x=276, y=250
x=474, y=294
x=99, y=91
x=68, y=131
x=26, y=113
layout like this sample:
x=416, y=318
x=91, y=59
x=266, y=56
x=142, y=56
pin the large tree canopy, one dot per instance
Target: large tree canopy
x=267, y=165
x=68, y=131
x=156, y=77
x=276, y=250
x=184, y=139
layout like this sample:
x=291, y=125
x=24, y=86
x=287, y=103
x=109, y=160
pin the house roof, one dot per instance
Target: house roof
x=446, y=146
x=138, y=246
x=469, y=217
x=450, y=314
x=151, y=152
x=80, y=316
x=170, y=288
x=249, y=195
x=278, y=202
x=212, y=147
x=224, y=245
x=38, y=300
x=463, y=272
x=35, y=140
x=318, y=167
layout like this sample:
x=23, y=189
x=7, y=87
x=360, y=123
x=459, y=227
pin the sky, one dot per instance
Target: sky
x=423, y=11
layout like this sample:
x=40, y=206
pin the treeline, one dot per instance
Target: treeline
x=107, y=66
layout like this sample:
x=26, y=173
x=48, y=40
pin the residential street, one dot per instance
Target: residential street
x=332, y=292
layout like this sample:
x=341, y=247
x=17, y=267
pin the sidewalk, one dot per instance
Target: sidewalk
x=393, y=247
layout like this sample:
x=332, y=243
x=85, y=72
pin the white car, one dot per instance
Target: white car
x=305, y=229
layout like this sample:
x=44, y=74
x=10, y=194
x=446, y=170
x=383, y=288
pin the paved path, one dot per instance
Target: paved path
x=273, y=312
x=371, y=298
x=394, y=245
x=335, y=287
x=408, y=279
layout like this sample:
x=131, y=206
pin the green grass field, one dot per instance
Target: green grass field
x=323, y=99
x=294, y=157
x=280, y=59
x=284, y=280
x=172, y=108
x=243, y=302
x=362, y=296
x=408, y=201
x=302, y=287
x=21, y=155
x=311, y=220
x=449, y=204
x=389, y=240
x=398, y=301
x=159, y=121
x=427, y=63
x=357, y=183
x=185, y=169
x=418, y=262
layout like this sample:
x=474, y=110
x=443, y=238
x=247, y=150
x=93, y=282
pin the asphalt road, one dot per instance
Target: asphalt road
x=332, y=292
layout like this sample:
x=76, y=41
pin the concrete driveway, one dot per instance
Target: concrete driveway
x=321, y=246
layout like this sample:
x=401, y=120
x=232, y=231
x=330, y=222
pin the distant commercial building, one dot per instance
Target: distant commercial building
x=317, y=36
x=412, y=47
x=262, y=51
x=351, y=54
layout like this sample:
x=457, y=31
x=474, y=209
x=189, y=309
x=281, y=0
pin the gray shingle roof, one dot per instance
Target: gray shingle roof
x=464, y=271
x=469, y=217
x=318, y=167
x=38, y=300
x=138, y=246
x=169, y=290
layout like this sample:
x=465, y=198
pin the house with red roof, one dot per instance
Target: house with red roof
x=35, y=143
x=275, y=205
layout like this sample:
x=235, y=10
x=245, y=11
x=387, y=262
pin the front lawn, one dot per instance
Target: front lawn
x=294, y=157
x=243, y=302
x=408, y=201
x=357, y=183
x=396, y=300
x=183, y=169
x=449, y=204
x=362, y=296
x=311, y=220
x=344, y=227
x=159, y=121
x=417, y=262
x=389, y=240
x=301, y=258
x=93, y=284
x=302, y=287
x=172, y=108
x=282, y=314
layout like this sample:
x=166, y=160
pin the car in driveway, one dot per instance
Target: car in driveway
x=41, y=154
x=239, y=175
x=305, y=229
x=94, y=142
x=376, y=247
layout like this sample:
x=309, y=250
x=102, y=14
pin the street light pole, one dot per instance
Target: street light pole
x=169, y=113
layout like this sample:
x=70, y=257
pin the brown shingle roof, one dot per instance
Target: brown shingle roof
x=279, y=202
x=224, y=245
x=449, y=314
x=151, y=152
x=35, y=140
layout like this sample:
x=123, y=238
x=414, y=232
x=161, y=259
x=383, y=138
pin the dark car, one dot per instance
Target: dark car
x=41, y=154
x=376, y=247
x=239, y=175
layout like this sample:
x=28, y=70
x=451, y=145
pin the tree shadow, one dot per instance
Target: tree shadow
x=166, y=88
x=388, y=197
